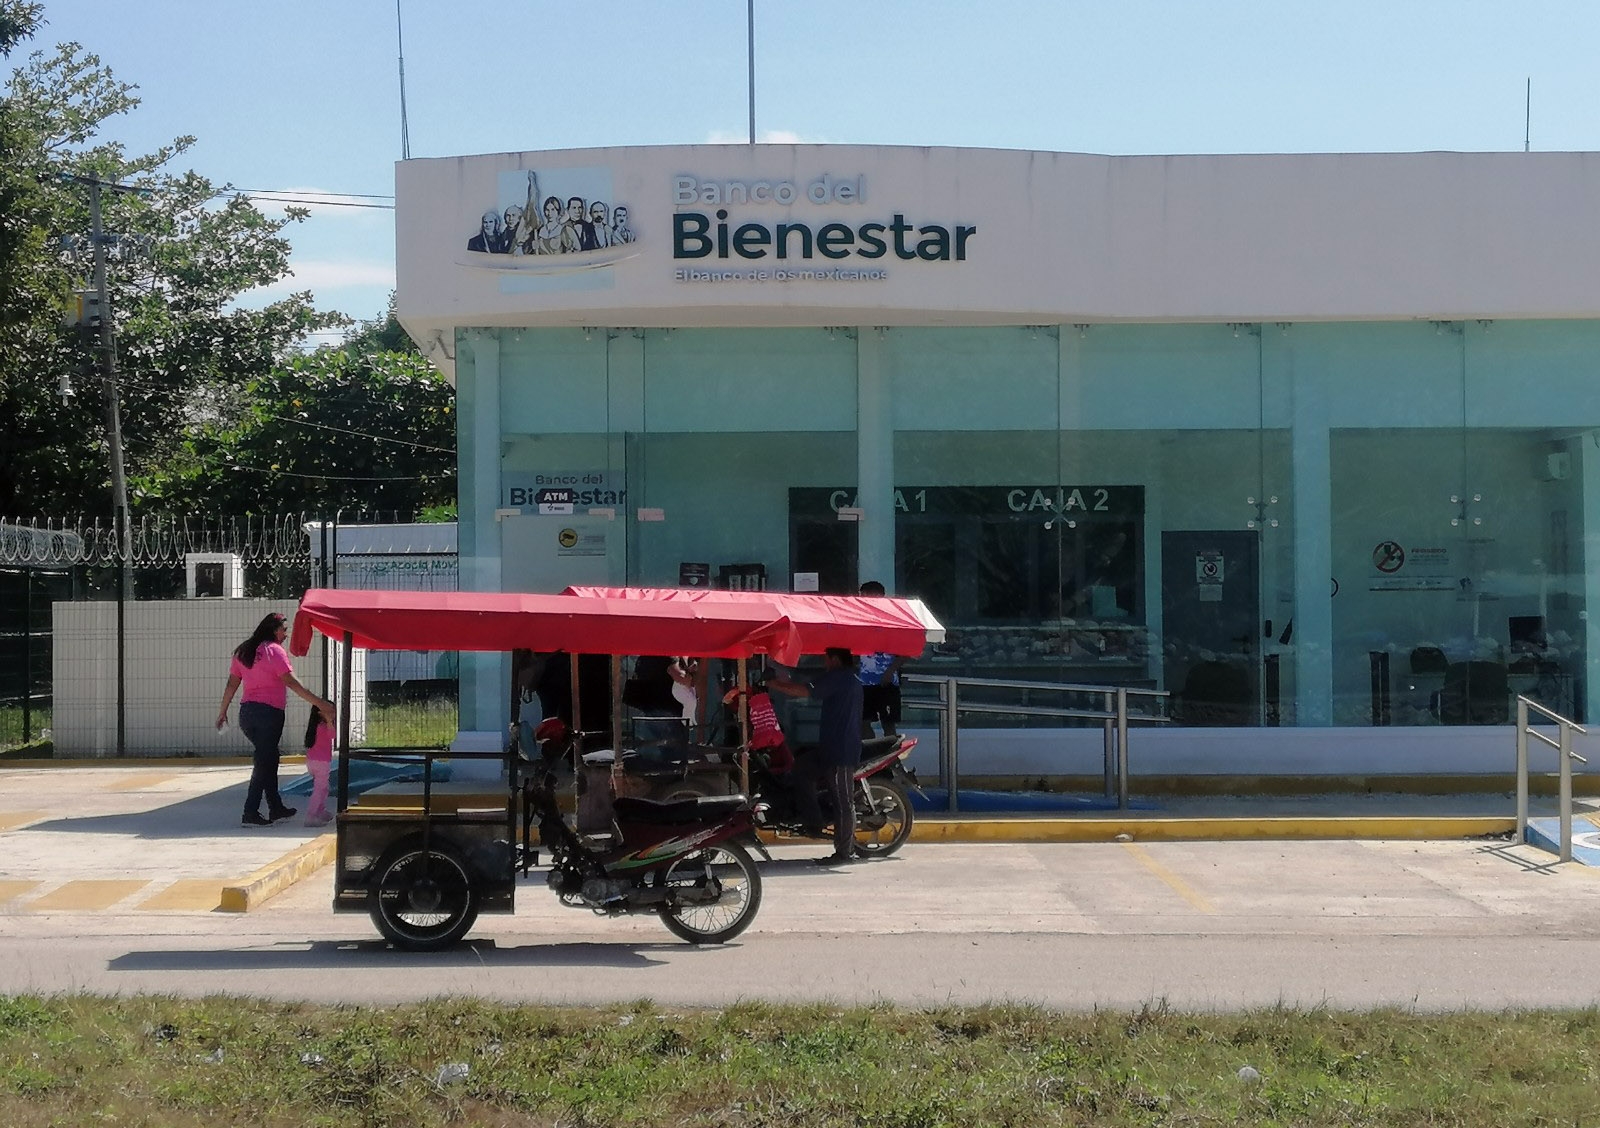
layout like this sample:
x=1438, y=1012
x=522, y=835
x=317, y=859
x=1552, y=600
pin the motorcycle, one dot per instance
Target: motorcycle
x=681, y=859
x=883, y=783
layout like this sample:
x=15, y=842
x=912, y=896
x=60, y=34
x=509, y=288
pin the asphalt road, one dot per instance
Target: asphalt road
x=1198, y=925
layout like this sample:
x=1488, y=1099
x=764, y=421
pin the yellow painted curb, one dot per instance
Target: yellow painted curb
x=270, y=880
x=1207, y=829
x=145, y=763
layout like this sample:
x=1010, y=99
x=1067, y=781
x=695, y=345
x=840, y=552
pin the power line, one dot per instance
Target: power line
x=155, y=388
x=321, y=203
x=340, y=195
x=322, y=477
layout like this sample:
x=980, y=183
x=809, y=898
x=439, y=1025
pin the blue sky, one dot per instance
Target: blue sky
x=303, y=94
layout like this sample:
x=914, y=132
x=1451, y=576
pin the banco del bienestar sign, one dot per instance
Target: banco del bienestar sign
x=718, y=225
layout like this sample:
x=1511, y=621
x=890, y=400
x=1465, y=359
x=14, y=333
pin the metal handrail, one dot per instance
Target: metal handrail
x=1114, y=715
x=1563, y=745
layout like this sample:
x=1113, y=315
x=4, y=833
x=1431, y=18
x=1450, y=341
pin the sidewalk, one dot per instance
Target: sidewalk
x=147, y=835
x=165, y=835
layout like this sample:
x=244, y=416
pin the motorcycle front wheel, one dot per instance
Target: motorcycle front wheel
x=423, y=899
x=884, y=824
x=726, y=870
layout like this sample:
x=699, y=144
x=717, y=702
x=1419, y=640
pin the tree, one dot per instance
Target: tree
x=381, y=334
x=334, y=430
x=186, y=352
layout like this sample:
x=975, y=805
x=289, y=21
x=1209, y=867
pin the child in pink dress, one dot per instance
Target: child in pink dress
x=319, y=759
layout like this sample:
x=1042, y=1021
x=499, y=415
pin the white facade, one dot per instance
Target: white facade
x=1324, y=355
x=1060, y=238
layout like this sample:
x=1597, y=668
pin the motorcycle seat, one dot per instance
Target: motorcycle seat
x=878, y=746
x=670, y=757
x=707, y=809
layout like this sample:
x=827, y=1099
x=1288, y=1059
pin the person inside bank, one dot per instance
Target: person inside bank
x=1108, y=578
x=880, y=683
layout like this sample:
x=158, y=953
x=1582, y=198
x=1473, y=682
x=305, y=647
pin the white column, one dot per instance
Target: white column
x=485, y=678
x=1587, y=447
x=1313, y=550
x=874, y=459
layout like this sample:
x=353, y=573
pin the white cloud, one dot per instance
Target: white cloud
x=352, y=287
x=332, y=275
x=767, y=137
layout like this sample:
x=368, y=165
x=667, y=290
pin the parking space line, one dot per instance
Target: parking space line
x=1176, y=883
x=87, y=895
x=10, y=820
x=140, y=779
x=11, y=889
x=196, y=894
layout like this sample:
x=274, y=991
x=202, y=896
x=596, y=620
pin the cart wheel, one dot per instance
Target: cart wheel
x=424, y=899
x=883, y=828
x=724, y=871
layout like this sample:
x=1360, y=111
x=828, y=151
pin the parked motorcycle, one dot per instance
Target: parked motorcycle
x=681, y=858
x=884, y=814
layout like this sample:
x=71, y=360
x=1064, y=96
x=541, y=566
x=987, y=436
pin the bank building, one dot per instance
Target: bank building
x=1311, y=442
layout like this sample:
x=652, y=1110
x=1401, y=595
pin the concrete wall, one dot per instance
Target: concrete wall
x=178, y=654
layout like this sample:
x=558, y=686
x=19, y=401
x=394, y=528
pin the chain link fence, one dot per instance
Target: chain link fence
x=113, y=648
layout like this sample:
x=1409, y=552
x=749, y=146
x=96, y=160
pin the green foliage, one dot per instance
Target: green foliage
x=380, y=335
x=185, y=351
x=332, y=430
x=18, y=21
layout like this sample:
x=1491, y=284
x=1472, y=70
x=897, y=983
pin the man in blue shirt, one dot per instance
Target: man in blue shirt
x=838, y=690
x=880, y=682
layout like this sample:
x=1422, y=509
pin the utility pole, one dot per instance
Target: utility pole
x=108, y=353
x=102, y=324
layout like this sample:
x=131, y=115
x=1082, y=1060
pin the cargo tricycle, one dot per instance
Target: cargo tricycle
x=425, y=871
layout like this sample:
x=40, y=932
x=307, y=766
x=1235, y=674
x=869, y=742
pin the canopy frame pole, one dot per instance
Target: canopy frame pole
x=346, y=663
x=616, y=705
x=744, y=728
x=577, y=732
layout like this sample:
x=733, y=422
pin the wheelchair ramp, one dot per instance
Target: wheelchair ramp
x=1545, y=833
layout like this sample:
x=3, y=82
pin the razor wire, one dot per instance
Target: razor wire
x=153, y=540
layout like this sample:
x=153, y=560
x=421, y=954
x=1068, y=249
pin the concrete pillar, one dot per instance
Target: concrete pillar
x=1313, y=548
x=874, y=459
x=485, y=678
x=1587, y=447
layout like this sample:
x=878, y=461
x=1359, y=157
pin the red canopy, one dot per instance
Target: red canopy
x=862, y=624
x=427, y=620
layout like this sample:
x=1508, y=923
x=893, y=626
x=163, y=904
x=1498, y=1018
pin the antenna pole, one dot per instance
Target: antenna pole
x=405, y=129
x=750, y=27
x=1527, y=114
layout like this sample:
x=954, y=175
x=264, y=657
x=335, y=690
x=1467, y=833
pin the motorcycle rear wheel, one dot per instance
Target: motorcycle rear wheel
x=719, y=921
x=881, y=832
x=423, y=900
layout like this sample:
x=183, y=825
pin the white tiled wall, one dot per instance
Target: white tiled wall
x=177, y=665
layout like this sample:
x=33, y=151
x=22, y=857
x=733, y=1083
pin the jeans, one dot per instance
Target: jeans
x=262, y=726
x=807, y=776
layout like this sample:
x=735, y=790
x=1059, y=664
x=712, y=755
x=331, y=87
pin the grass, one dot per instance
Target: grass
x=411, y=724
x=11, y=729
x=153, y=1060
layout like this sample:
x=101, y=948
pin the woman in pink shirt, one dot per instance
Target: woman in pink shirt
x=261, y=666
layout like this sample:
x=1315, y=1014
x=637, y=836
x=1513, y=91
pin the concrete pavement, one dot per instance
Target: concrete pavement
x=1199, y=925
x=111, y=877
x=158, y=835
x=165, y=835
